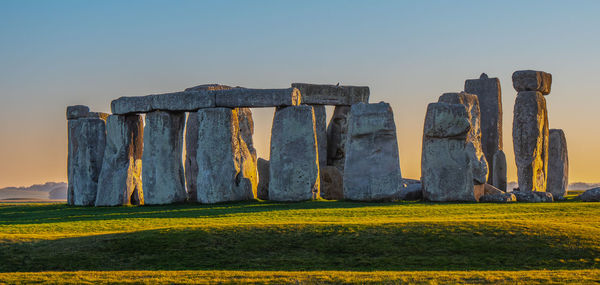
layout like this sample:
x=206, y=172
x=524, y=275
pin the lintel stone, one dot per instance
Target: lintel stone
x=327, y=94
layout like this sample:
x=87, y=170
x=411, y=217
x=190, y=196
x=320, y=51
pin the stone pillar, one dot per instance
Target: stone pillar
x=558, y=164
x=120, y=181
x=262, y=191
x=336, y=137
x=87, y=139
x=294, y=164
x=490, y=103
x=226, y=167
x=530, y=128
x=372, y=165
x=162, y=172
x=321, y=129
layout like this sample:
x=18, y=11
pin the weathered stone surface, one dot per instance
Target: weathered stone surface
x=411, y=191
x=246, y=124
x=81, y=111
x=321, y=129
x=191, y=150
x=185, y=101
x=120, y=181
x=162, y=172
x=498, y=173
x=490, y=104
x=558, y=164
x=294, y=165
x=533, y=196
x=498, y=198
x=591, y=195
x=531, y=80
x=372, y=166
x=336, y=137
x=325, y=94
x=87, y=140
x=226, y=167
x=263, y=179
x=490, y=189
x=530, y=140
x=332, y=183
x=246, y=97
x=210, y=87
x=452, y=163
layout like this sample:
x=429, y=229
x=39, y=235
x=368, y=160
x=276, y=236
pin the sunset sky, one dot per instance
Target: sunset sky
x=59, y=53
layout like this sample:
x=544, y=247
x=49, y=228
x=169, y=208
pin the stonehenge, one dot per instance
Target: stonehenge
x=558, y=164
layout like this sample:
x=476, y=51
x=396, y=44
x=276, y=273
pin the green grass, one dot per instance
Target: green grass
x=267, y=242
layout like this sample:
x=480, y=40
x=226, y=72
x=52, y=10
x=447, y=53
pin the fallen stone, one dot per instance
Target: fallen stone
x=558, y=164
x=294, y=165
x=533, y=196
x=321, y=129
x=336, y=137
x=591, y=195
x=530, y=140
x=372, y=166
x=490, y=189
x=162, y=171
x=325, y=94
x=226, y=168
x=490, y=104
x=263, y=179
x=498, y=172
x=332, y=183
x=185, y=101
x=120, y=181
x=251, y=98
x=86, y=143
x=498, y=198
x=531, y=80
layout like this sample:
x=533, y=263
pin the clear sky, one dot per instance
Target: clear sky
x=59, y=53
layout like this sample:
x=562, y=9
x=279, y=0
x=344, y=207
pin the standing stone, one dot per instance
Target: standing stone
x=226, y=167
x=162, y=172
x=450, y=162
x=191, y=150
x=321, y=129
x=372, y=165
x=336, y=137
x=490, y=103
x=530, y=139
x=332, y=183
x=499, y=170
x=263, y=179
x=294, y=165
x=120, y=181
x=87, y=140
x=558, y=164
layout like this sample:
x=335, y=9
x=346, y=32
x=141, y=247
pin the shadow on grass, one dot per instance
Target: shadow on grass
x=412, y=246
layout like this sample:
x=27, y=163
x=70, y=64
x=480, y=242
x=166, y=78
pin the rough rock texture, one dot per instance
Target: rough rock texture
x=81, y=111
x=332, y=183
x=533, y=196
x=210, y=87
x=321, y=129
x=336, y=137
x=190, y=163
x=498, y=172
x=162, y=172
x=246, y=124
x=591, y=195
x=490, y=189
x=325, y=94
x=87, y=140
x=452, y=163
x=372, y=166
x=531, y=80
x=226, y=167
x=490, y=104
x=185, y=101
x=263, y=179
x=120, y=181
x=294, y=169
x=530, y=140
x=246, y=97
x=558, y=164
x=411, y=191
x=498, y=198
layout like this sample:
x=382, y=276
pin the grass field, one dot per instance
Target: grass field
x=313, y=242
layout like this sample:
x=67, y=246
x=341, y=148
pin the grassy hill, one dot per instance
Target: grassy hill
x=329, y=241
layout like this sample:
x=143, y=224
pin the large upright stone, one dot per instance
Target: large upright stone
x=490, y=103
x=499, y=170
x=120, y=181
x=531, y=80
x=86, y=143
x=294, y=164
x=247, y=97
x=262, y=191
x=530, y=140
x=372, y=166
x=226, y=167
x=336, y=137
x=453, y=167
x=558, y=164
x=325, y=94
x=321, y=129
x=162, y=172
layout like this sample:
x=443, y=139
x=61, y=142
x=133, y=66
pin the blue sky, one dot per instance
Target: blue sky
x=59, y=53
